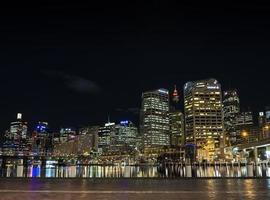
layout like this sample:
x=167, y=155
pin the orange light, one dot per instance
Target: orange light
x=244, y=133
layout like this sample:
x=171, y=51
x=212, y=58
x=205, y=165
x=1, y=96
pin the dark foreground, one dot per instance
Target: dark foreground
x=136, y=189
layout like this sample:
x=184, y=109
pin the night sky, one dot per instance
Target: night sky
x=73, y=64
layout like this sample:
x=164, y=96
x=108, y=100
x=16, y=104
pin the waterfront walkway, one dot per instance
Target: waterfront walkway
x=137, y=189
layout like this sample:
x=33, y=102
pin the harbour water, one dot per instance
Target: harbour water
x=118, y=171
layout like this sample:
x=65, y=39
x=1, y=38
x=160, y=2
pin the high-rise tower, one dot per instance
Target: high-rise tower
x=155, y=118
x=203, y=117
x=231, y=109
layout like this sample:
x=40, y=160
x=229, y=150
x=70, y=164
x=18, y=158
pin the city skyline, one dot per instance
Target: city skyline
x=134, y=100
x=74, y=64
x=132, y=114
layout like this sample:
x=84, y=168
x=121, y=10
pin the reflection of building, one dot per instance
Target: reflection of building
x=155, y=118
x=203, y=117
x=176, y=128
x=231, y=109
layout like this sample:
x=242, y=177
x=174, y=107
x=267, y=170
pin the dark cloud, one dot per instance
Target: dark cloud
x=128, y=110
x=74, y=82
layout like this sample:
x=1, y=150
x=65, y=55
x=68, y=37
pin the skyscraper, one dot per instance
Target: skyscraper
x=125, y=138
x=155, y=118
x=105, y=135
x=42, y=140
x=231, y=109
x=177, y=137
x=203, y=117
x=16, y=136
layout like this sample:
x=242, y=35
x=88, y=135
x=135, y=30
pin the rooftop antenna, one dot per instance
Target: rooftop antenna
x=175, y=95
x=108, y=118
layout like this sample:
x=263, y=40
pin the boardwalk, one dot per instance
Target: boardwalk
x=135, y=189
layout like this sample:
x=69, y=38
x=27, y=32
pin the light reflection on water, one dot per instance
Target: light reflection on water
x=95, y=171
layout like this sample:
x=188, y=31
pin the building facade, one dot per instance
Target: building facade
x=231, y=109
x=155, y=118
x=203, y=118
x=245, y=126
x=177, y=136
x=105, y=135
x=15, y=139
x=125, y=138
x=85, y=143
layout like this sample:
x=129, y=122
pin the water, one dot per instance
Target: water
x=94, y=171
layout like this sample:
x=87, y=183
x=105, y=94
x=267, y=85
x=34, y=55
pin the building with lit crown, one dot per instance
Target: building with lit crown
x=16, y=137
x=203, y=118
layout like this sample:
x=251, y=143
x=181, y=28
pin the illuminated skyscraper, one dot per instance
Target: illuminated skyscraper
x=16, y=136
x=155, y=118
x=203, y=117
x=105, y=135
x=18, y=129
x=125, y=138
x=231, y=109
x=126, y=133
x=42, y=139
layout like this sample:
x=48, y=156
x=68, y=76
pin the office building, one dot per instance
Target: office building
x=105, y=135
x=84, y=144
x=203, y=118
x=231, y=109
x=42, y=141
x=244, y=126
x=15, y=139
x=125, y=138
x=67, y=133
x=177, y=136
x=155, y=118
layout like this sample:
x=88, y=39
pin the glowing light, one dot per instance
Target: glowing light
x=125, y=122
x=212, y=87
x=163, y=91
x=244, y=133
x=19, y=115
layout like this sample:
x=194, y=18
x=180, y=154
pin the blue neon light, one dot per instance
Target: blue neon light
x=125, y=122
